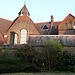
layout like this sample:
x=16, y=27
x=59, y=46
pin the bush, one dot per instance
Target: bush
x=27, y=54
x=51, y=50
x=10, y=65
x=66, y=62
x=16, y=65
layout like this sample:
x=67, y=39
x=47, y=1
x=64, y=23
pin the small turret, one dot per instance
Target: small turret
x=24, y=10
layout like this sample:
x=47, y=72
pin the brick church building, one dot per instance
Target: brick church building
x=19, y=30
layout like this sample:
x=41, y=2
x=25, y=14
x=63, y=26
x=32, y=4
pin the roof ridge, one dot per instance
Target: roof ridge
x=57, y=21
x=71, y=15
x=42, y=22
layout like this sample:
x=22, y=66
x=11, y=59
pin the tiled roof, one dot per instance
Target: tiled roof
x=4, y=25
x=40, y=26
x=2, y=41
x=56, y=23
x=13, y=23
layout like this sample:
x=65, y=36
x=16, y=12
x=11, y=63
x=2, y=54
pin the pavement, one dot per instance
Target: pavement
x=38, y=74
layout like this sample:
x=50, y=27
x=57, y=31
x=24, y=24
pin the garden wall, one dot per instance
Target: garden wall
x=38, y=40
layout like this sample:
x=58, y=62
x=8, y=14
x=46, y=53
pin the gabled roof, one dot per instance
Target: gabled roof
x=2, y=41
x=23, y=10
x=4, y=25
x=24, y=17
x=65, y=19
x=71, y=15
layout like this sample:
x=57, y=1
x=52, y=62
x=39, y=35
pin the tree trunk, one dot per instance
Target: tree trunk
x=49, y=65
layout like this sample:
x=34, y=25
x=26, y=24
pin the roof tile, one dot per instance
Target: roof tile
x=4, y=25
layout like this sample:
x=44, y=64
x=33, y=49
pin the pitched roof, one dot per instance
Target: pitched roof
x=71, y=15
x=65, y=19
x=56, y=23
x=40, y=26
x=12, y=23
x=24, y=17
x=23, y=10
x=4, y=25
x=2, y=41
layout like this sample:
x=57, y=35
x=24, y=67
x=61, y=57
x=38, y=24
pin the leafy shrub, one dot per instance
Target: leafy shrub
x=51, y=50
x=66, y=62
x=10, y=65
x=27, y=54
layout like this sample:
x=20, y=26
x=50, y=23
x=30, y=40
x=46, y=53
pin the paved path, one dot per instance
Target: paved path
x=39, y=74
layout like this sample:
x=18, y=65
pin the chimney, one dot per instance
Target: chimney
x=51, y=18
x=50, y=29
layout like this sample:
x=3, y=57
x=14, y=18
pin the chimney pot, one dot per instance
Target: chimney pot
x=51, y=18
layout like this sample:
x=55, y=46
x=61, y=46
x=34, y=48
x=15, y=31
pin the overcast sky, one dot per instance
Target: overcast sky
x=40, y=10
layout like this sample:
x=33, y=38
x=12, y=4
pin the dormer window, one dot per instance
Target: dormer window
x=45, y=27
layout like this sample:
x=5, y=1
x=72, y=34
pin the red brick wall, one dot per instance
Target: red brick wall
x=67, y=32
x=61, y=27
x=21, y=24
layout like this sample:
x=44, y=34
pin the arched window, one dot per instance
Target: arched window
x=70, y=25
x=74, y=25
x=66, y=26
x=23, y=36
x=15, y=40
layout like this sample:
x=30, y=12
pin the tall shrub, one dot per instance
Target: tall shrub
x=51, y=50
x=66, y=61
x=27, y=54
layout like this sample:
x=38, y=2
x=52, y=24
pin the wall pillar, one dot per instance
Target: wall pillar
x=12, y=36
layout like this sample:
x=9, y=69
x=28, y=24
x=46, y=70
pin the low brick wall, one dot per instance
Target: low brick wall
x=38, y=40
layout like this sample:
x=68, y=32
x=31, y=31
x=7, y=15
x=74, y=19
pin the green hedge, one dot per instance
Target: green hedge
x=10, y=65
x=13, y=65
